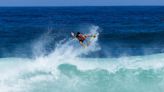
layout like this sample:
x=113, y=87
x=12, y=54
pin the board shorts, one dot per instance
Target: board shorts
x=82, y=38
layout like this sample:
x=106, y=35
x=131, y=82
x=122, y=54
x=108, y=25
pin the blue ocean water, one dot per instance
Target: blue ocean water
x=123, y=30
x=38, y=54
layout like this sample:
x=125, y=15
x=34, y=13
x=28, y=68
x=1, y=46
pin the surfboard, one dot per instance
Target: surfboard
x=91, y=39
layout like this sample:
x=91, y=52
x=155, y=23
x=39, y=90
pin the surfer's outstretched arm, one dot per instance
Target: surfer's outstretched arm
x=87, y=35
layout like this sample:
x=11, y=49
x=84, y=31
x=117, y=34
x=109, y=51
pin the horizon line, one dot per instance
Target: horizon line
x=82, y=6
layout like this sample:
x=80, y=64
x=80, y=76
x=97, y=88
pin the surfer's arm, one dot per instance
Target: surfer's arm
x=87, y=35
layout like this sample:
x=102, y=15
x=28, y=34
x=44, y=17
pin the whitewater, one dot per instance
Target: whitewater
x=65, y=70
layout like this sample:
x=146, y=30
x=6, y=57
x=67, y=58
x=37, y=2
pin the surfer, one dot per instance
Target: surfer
x=82, y=37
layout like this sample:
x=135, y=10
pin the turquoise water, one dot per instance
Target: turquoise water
x=126, y=74
x=66, y=72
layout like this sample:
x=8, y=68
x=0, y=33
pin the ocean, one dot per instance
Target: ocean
x=38, y=54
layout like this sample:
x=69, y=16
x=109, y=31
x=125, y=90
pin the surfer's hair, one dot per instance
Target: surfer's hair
x=77, y=35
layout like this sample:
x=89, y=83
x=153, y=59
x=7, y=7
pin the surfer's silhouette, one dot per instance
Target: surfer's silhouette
x=82, y=37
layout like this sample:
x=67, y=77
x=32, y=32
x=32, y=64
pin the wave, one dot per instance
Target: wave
x=126, y=74
x=64, y=70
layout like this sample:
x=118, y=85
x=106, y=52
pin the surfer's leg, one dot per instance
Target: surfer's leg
x=82, y=44
x=88, y=42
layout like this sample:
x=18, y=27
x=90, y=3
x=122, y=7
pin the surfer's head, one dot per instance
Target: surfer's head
x=77, y=34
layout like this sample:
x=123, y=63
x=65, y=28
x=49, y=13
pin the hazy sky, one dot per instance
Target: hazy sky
x=78, y=2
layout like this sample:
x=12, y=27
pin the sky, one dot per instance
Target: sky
x=80, y=2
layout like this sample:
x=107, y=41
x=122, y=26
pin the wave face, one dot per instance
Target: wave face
x=38, y=55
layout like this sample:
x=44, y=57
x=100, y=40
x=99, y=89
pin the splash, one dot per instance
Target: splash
x=64, y=70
